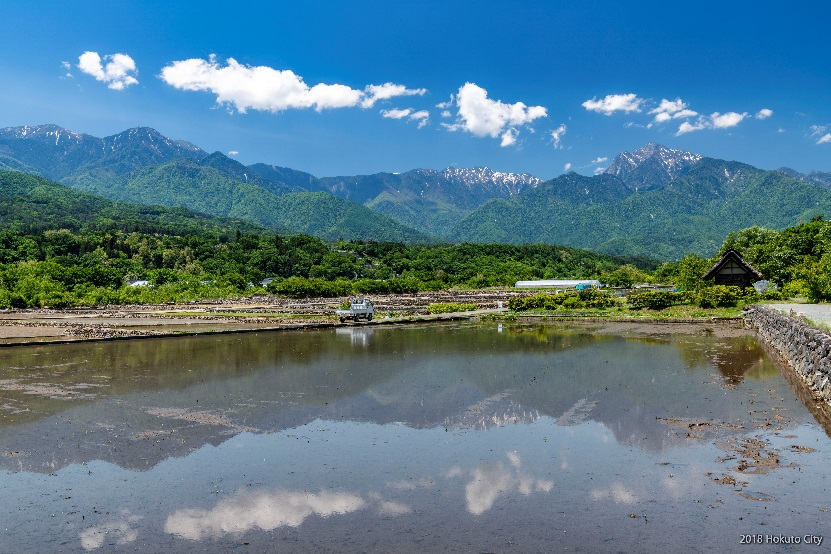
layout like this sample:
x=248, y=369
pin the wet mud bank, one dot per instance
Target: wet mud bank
x=805, y=349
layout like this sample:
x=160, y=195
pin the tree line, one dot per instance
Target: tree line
x=86, y=267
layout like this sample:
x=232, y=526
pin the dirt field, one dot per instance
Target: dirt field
x=264, y=312
x=259, y=312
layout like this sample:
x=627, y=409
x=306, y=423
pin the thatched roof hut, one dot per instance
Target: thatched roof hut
x=731, y=269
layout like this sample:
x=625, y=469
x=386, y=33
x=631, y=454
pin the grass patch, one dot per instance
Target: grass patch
x=674, y=312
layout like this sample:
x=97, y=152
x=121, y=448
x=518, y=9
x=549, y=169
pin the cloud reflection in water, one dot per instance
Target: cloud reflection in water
x=259, y=510
x=490, y=481
x=117, y=532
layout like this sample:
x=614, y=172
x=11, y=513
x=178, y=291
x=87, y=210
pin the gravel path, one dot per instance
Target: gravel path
x=818, y=313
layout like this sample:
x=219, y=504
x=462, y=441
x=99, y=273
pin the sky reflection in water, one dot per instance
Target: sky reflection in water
x=418, y=438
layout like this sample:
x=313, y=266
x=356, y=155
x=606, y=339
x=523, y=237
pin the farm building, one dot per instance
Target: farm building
x=578, y=284
x=731, y=269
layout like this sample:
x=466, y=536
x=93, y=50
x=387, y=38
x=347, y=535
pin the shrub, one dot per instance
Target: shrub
x=592, y=298
x=300, y=287
x=722, y=296
x=539, y=301
x=589, y=298
x=449, y=308
x=658, y=300
x=371, y=286
x=797, y=287
x=772, y=294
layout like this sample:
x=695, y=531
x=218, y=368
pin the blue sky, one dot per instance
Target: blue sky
x=340, y=88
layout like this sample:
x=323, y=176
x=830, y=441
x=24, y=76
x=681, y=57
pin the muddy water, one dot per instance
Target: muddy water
x=451, y=437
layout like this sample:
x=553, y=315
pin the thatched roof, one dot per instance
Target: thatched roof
x=734, y=256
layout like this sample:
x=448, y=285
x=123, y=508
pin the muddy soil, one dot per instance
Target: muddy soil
x=261, y=312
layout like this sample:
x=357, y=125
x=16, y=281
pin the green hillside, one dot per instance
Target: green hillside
x=188, y=184
x=34, y=204
x=691, y=214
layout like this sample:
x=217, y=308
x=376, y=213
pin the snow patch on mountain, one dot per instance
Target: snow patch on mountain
x=487, y=179
x=652, y=165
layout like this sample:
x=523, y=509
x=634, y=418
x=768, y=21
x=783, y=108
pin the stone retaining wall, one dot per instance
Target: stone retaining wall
x=806, y=349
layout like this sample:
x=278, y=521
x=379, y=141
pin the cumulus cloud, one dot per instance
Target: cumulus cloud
x=483, y=117
x=688, y=127
x=67, y=68
x=263, y=88
x=729, y=119
x=599, y=170
x=448, y=104
x=373, y=93
x=818, y=131
x=599, y=160
x=509, y=137
x=567, y=166
x=764, y=113
x=396, y=113
x=119, y=71
x=671, y=109
x=557, y=135
x=614, y=103
x=715, y=120
x=422, y=116
x=233, y=153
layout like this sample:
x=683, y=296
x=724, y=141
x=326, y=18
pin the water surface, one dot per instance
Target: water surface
x=425, y=438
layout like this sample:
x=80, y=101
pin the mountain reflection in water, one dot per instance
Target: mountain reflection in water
x=121, y=401
x=411, y=438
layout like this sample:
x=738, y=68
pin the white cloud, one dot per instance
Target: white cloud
x=817, y=130
x=599, y=160
x=557, y=135
x=729, y=119
x=825, y=138
x=483, y=117
x=715, y=120
x=422, y=116
x=386, y=91
x=688, y=127
x=233, y=153
x=764, y=113
x=509, y=137
x=263, y=88
x=446, y=113
x=780, y=130
x=671, y=109
x=448, y=104
x=119, y=71
x=396, y=113
x=67, y=67
x=567, y=166
x=614, y=103
x=599, y=170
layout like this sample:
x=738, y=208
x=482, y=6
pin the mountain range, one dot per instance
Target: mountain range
x=653, y=201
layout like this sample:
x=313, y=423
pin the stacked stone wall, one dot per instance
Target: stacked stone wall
x=805, y=349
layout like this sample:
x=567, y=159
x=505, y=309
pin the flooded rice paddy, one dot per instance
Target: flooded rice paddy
x=456, y=437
